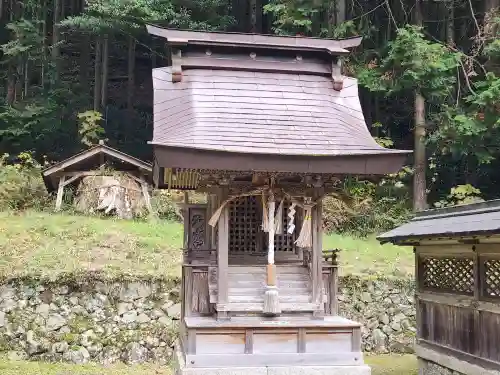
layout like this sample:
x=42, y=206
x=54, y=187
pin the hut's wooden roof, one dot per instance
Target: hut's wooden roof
x=90, y=159
x=477, y=219
x=258, y=104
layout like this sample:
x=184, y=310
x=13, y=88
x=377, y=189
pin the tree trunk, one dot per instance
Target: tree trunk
x=43, y=18
x=11, y=66
x=131, y=73
x=26, y=77
x=84, y=63
x=11, y=84
x=420, y=162
x=105, y=58
x=450, y=23
x=259, y=9
x=55, y=38
x=340, y=11
x=97, y=74
x=491, y=4
x=419, y=181
x=252, y=15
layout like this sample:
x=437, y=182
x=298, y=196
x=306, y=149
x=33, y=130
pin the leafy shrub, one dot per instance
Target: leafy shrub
x=165, y=205
x=362, y=208
x=21, y=184
x=461, y=194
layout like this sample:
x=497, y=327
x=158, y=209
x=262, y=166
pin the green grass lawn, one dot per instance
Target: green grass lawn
x=368, y=256
x=392, y=364
x=381, y=365
x=48, y=244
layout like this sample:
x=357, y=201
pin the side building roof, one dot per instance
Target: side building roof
x=477, y=219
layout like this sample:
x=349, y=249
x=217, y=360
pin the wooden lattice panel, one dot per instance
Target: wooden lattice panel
x=491, y=275
x=244, y=223
x=447, y=274
x=285, y=241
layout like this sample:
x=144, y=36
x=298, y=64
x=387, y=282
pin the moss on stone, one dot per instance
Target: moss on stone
x=80, y=324
x=70, y=338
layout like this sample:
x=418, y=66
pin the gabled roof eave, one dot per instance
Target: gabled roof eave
x=95, y=150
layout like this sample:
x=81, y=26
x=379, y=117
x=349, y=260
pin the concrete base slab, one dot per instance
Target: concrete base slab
x=181, y=369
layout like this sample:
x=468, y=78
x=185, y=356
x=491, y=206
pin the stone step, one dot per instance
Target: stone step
x=287, y=277
x=259, y=307
x=282, y=284
x=280, y=270
x=260, y=298
x=261, y=290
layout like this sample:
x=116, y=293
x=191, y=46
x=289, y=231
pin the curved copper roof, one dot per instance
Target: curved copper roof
x=250, y=102
x=260, y=112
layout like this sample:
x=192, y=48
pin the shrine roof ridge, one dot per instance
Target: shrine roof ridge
x=213, y=38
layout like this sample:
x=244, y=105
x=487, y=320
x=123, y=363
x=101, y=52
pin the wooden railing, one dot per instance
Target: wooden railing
x=330, y=280
x=330, y=277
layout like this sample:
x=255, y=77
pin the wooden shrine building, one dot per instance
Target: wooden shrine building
x=457, y=268
x=266, y=126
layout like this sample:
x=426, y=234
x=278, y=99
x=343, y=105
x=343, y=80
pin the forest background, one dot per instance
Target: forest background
x=76, y=71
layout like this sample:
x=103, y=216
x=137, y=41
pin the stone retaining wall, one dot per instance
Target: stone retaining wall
x=386, y=307
x=431, y=368
x=133, y=322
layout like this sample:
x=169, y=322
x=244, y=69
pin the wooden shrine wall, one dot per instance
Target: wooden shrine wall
x=458, y=300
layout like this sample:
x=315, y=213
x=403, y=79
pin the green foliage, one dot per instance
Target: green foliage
x=120, y=16
x=472, y=128
x=292, y=16
x=412, y=63
x=461, y=194
x=26, y=40
x=21, y=185
x=382, y=140
x=492, y=34
x=364, y=207
x=90, y=130
x=165, y=206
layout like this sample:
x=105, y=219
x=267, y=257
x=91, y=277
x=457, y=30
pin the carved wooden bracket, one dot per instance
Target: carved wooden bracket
x=338, y=79
x=177, y=66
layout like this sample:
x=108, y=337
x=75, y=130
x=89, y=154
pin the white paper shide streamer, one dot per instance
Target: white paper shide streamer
x=291, y=218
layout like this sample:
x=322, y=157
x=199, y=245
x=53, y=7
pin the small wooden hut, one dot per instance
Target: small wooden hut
x=92, y=163
x=266, y=126
x=457, y=269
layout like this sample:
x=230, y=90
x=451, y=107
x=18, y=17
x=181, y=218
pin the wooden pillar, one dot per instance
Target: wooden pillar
x=334, y=291
x=223, y=260
x=213, y=206
x=60, y=192
x=317, y=257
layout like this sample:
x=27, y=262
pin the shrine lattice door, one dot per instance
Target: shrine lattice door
x=245, y=229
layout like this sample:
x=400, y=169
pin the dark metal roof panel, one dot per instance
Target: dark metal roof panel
x=261, y=113
x=459, y=221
